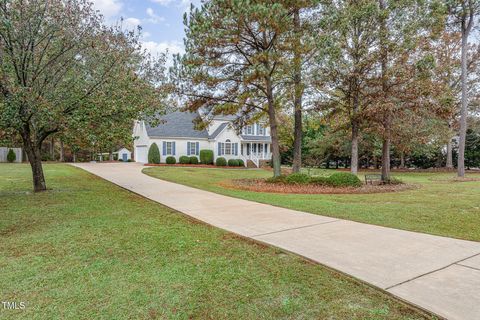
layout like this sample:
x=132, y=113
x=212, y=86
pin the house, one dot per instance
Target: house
x=177, y=136
x=124, y=154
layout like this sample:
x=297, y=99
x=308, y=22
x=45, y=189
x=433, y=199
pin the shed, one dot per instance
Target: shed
x=124, y=154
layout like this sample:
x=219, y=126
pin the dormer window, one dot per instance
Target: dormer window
x=249, y=130
x=261, y=130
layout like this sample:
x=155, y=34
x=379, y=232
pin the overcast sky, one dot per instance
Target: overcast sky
x=161, y=20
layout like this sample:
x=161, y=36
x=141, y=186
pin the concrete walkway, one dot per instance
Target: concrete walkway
x=435, y=273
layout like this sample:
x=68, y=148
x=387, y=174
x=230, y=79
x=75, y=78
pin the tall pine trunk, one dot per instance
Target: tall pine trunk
x=272, y=117
x=62, y=152
x=466, y=28
x=402, y=160
x=355, y=132
x=298, y=87
x=386, y=119
x=354, y=156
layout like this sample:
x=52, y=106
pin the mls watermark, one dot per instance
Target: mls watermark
x=13, y=305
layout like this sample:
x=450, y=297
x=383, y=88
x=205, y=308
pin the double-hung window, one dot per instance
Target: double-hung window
x=193, y=148
x=249, y=130
x=228, y=147
x=169, y=147
x=261, y=130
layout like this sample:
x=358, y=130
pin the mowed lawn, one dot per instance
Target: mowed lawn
x=438, y=206
x=87, y=249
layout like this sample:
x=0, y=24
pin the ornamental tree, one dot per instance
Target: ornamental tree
x=59, y=65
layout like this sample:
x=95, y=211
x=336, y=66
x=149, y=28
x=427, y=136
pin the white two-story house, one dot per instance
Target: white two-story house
x=176, y=136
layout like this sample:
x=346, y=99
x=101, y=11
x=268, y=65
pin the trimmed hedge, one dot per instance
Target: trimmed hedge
x=241, y=163
x=279, y=179
x=298, y=178
x=154, y=154
x=171, y=160
x=11, y=156
x=319, y=181
x=344, y=179
x=221, y=162
x=184, y=160
x=206, y=156
x=338, y=179
x=233, y=163
x=193, y=160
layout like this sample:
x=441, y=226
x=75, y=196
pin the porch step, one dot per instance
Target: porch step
x=251, y=164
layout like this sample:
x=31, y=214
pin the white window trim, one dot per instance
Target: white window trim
x=193, y=148
x=167, y=145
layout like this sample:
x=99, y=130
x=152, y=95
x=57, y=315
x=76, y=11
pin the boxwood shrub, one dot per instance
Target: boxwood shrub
x=279, y=179
x=206, y=156
x=171, y=160
x=297, y=178
x=154, y=154
x=193, y=160
x=221, y=162
x=233, y=163
x=344, y=179
x=11, y=156
x=241, y=163
x=184, y=160
x=319, y=181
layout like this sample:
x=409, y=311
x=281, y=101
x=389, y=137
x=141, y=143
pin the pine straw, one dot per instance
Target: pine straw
x=260, y=185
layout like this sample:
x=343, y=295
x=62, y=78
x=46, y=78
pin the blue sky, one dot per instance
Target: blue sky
x=161, y=20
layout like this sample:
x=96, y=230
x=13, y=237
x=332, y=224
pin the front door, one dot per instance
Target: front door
x=124, y=157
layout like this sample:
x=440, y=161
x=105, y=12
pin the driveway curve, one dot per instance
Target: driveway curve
x=438, y=274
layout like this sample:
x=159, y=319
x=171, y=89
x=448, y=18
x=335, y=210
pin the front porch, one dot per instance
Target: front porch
x=255, y=152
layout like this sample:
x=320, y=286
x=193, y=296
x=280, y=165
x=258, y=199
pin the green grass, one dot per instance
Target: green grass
x=438, y=206
x=87, y=249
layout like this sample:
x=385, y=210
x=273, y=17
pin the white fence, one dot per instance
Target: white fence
x=4, y=152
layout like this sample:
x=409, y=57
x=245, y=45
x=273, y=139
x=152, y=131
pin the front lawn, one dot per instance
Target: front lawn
x=440, y=206
x=87, y=249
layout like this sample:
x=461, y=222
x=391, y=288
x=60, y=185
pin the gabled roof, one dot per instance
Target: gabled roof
x=177, y=125
x=218, y=130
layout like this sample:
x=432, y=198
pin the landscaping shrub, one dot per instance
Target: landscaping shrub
x=11, y=157
x=279, y=179
x=395, y=181
x=344, y=179
x=221, y=162
x=241, y=163
x=171, y=160
x=193, y=160
x=233, y=163
x=184, y=160
x=206, y=156
x=297, y=178
x=154, y=154
x=319, y=181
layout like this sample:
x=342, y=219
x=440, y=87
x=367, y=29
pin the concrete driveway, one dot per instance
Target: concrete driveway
x=438, y=274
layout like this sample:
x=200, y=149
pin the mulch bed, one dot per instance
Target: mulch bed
x=260, y=185
x=192, y=166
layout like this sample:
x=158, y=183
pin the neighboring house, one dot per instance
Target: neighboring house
x=124, y=154
x=176, y=136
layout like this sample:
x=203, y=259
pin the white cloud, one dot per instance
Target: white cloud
x=178, y=3
x=155, y=48
x=132, y=23
x=109, y=8
x=153, y=17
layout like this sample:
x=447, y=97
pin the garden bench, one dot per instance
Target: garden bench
x=371, y=178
